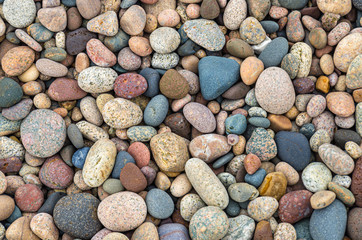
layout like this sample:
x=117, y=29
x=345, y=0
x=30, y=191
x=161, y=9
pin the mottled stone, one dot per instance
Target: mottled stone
x=262, y=145
x=295, y=206
x=337, y=160
x=316, y=177
x=262, y=208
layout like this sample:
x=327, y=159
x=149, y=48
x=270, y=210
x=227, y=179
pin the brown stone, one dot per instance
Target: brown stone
x=340, y=103
x=263, y=231
x=7, y=206
x=356, y=186
x=354, y=225
x=133, y=20
x=10, y=165
x=274, y=185
x=89, y=8
x=132, y=178
x=54, y=19
x=357, y=95
x=279, y=123
x=178, y=124
x=173, y=85
x=251, y=163
x=20, y=229
x=74, y=19
x=65, y=89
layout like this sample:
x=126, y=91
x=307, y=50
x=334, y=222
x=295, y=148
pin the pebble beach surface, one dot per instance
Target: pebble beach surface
x=180, y=120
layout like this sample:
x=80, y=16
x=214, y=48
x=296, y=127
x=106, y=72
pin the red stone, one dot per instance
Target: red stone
x=132, y=178
x=251, y=163
x=29, y=198
x=65, y=89
x=130, y=85
x=356, y=186
x=140, y=153
x=295, y=206
x=100, y=54
x=55, y=173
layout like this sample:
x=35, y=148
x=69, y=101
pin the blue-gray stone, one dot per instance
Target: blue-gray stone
x=244, y=205
x=78, y=158
x=161, y=71
x=119, y=69
x=307, y=130
x=223, y=160
x=217, y=74
x=156, y=111
x=159, y=204
x=122, y=159
x=270, y=26
x=11, y=37
x=293, y=148
x=256, y=178
x=188, y=48
x=235, y=124
x=233, y=208
x=69, y=3
x=15, y=215
x=8, y=126
x=75, y=136
x=50, y=203
x=173, y=231
x=183, y=34
x=274, y=52
x=341, y=136
x=329, y=223
x=293, y=4
x=10, y=92
x=40, y=33
x=153, y=78
x=128, y=3
x=117, y=42
x=357, y=4
x=259, y=122
x=302, y=229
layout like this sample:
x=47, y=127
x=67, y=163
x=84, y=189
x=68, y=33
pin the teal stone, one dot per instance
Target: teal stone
x=141, y=133
x=307, y=130
x=128, y=3
x=270, y=26
x=55, y=54
x=302, y=229
x=235, y=124
x=259, y=122
x=233, y=208
x=156, y=111
x=274, y=52
x=212, y=220
x=262, y=145
x=10, y=92
x=244, y=205
x=15, y=215
x=69, y=3
x=8, y=126
x=293, y=4
x=188, y=48
x=11, y=37
x=117, y=42
x=183, y=34
x=223, y=160
x=39, y=32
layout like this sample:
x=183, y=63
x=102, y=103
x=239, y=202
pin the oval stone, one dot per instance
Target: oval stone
x=206, y=183
x=262, y=208
x=130, y=85
x=10, y=93
x=97, y=79
x=17, y=60
x=99, y=162
x=200, y=117
x=100, y=54
x=43, y=133
x=65, y=89
x=336, y=159
x=347, y=49
x=295, y=206
x=55, y=173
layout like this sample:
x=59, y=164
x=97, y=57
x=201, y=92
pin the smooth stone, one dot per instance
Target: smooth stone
x=269, y=26
x=153, y=78
x=165, y=40
x=88, y=8
x=340, y=103
x=205, y=33
x=262, y=145
x=344, y=181
x=200, y=117
x=117, y=42
x=209, y=147
x=303, y=53
x=223, y=160
x=81, y=210
x=262, y=208
x=51, y=68
x=10, y=93
x=209, y=9
x=336, y=159
x=235, y=124
x=112, y=186
x=19, y=13
x=242, y=192
x=290, y=4
x=55, y=54
x=50, y=202
x=141, y=133
x=43, y=133
x=239, y=48
x=217, y=75
x=9, y=149
x=259, y=122
x=263, y=231
x=17, y=60
x=302, y=229
x=120, y=206
x=146, y=231
x=206, y=183
x=274, y=185
x=294, y=29
x=7, y=206
x=354, y=223
x=293, y=148
x=105, y=24
x=165, y=61
x=290, y=64
x=79, y=157
x=294, y=206
x=99, y=54
x=156, y=111
x=233, y=209
x=342, y=193
x=346, y=50
x=132, y=178
x=316, y=177
x=54, y=19
x=285, y=231
x=173, y=85
x=252, y=31
x=214, y=229
x=7, y=126
x=99, y=162
x=274, y=91
x=322, y=199
x=20, y=228
x=256, y=178
x=76, y=40
x=65, y=89
x=338, y=7
x=39, y=32
x=159, y=204
x=234, y=14
x=188, y=48
x=241, y=227
x=97, y=79
x=321, y=226
x=274, y=52
x=75, y=136
x=43, y=226
x=342, y=136
x=354, y=73
x=133, y=20
x=122, y=159
x=171, y=231
x=55, y=173
x=170, y=152
x=259, y=9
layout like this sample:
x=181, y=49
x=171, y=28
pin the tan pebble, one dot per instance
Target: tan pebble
x=151, y=23
x=180, y=186
x=61, y=111
x=193, y=10
x=133, y=20
x=250, y=69
x=43, y=226
x=190, y=63
x=81, y=62
x=269, y=167
x=32, y=88
x=302, y=119
x=353, y=149
x=239, y=148
x=162, y=181
x=115, y=236
x=357, y=95
x=200, y=54
x=20, y=228
x=341, y=84
x=29, y=75
x=214, y=107
x=292, y=113
x=327, y=65
x=168, y=18
x=289, y=172
x=140, y=46
x=322, y=199
x=42, y=101
x=122, y=134
x=3, y=183
x=279, y=123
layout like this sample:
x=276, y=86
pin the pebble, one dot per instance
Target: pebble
x=206, y=184
x=156, y=110
x=81, y=208
x=285, y=231
x=337, y=161
x=51, y=68
x=234, y=14
x=200, y=117
x=303, y=53
x=159, y=204
x=261, y=144
x=353, y=73
x=337, y=7
x=132, y=178
x=100, y=54
x=133, y=20
x=7, y=206
x=165, y=40
x=346, y=51
x=43, y=133
x=101, y=156
x=294, y=29
x=262, y=208
x=43, y=226
x=19, y=13
x=29, y=198
x=55, y=173
x=295, y=206
x=173, y=85
x=321, y=226
x=77, y=40
x=353, y=224
x=293, y=5
x=105, y=24
x=216, y=229
x=54, y=19
x=122, y=205
x=180, y=186
x=17, y=60
x=169, y=231
x=240, y=227
x=242, y=192
x=263, y=231
x=252, y=31
x=316, y=177
x=340, y=103
x=274, y=52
